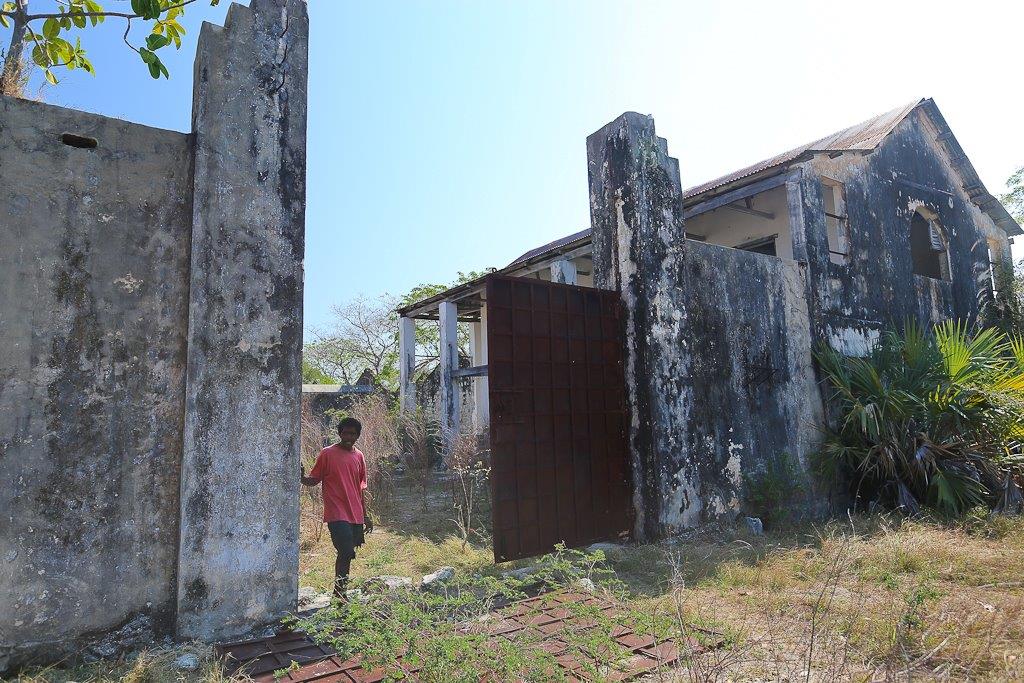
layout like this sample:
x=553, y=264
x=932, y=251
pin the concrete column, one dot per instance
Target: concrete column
x=795, y=203
x=239, y=538
x=448, y=316
x=636, y=212
x=406, y=363
x=481, y=414
x=564, y=271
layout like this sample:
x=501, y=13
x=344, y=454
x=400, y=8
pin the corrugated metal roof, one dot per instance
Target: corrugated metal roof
x=863, y=136
x=551, y=246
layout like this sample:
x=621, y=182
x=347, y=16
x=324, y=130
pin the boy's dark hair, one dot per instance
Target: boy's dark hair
x=350, y=422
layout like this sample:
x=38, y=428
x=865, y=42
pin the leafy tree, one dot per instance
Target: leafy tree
x=312, y=375
x=1014, y=198
x=48, y=36
x=1006, y=309
x=363, y=337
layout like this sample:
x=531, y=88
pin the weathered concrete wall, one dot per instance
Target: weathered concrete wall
x=755, y=400
x=150, y=335
x=720, y=373
x=719, y=369
x=321, y=401
x=428, y=399
x=877, y=288
x=239, y=550
x=93, y=319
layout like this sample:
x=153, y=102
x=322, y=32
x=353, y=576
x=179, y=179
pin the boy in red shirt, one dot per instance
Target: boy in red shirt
x=342, y=470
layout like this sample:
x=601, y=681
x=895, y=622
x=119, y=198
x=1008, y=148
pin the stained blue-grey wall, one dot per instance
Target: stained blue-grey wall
x=754, y=405
x=94, y=283
x=877, y=288
x=150, y=342
x=719, y=371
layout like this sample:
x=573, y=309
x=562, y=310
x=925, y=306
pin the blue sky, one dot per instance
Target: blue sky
x=450, y=135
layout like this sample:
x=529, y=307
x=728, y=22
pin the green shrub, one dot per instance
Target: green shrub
x=930, y=419
x=771, y=492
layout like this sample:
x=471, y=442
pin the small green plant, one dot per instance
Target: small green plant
x=575, y=569
x=441, y=633
x=773, y=491
x=281, y=673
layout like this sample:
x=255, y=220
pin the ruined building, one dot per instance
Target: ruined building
x=698, y=369
x=150, y=340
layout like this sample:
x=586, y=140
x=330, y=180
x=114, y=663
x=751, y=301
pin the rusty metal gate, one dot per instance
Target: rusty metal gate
x=559, y=451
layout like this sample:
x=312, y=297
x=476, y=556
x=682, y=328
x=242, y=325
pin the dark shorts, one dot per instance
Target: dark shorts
x=346, y=537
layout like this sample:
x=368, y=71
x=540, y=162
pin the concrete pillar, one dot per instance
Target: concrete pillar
x=795, y=204
x=636, y=212
x=406, y=363
x=448, y=317
x=564, y=271
x=238, y=550
x=478, y=340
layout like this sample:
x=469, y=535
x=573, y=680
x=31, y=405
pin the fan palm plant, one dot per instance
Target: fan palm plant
x=930, y=418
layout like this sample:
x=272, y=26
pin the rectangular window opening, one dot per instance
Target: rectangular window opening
x=837, y=223
x=762, y=245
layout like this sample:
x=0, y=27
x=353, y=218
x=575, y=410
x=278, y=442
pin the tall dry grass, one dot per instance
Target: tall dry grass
x=419, y=435
x=381, y=447
x=469, y=465
x=315, y=433
x=379, y=444
x=874, y=599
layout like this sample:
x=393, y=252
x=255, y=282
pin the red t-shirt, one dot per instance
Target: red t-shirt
x=343, y=474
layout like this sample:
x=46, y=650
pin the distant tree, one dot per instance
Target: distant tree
x=364, y=336
x=1006, y=311
x=312, y=375
x=47, y=36
x=1013, y=200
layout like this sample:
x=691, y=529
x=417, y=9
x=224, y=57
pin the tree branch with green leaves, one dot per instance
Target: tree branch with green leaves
x=48, y=36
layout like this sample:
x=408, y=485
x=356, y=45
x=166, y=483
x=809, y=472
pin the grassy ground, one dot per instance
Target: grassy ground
x=872, y=599
x=865, y=599
x=876, y=598
x=415, y=535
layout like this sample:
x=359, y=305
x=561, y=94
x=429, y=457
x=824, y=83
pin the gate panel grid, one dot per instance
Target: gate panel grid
x=559, y=448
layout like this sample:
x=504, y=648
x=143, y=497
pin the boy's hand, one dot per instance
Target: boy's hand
x=367, y=524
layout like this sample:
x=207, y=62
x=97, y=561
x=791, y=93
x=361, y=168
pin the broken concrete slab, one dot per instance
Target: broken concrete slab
x=441, y=576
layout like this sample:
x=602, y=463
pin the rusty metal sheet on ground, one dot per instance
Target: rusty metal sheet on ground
x=551, y=623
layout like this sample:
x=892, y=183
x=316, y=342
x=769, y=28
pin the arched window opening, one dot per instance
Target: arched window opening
x=928, y=248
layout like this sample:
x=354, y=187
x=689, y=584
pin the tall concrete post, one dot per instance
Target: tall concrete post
x=448, y=316
x=406, y=363
x=636, y=212
x=238, y=552
x=481, y=404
